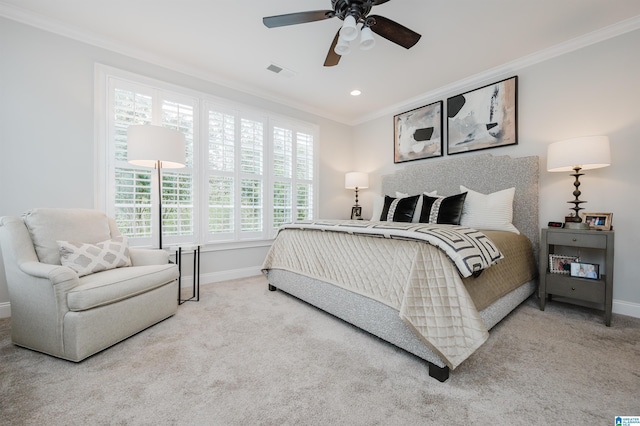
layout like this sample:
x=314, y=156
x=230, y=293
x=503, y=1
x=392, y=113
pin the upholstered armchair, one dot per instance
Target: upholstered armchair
x=75, y=287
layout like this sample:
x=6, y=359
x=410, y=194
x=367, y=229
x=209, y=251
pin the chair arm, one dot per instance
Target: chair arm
x=55, y=273
x=143, y=257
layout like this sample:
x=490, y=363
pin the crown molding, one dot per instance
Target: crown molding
x=56, y=27
x=512, y=67
x=53, y=26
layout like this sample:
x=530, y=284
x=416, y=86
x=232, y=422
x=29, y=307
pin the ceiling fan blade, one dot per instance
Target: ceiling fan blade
x=378, y=2
x=392, y=31
x=332, y=57
x=297, y=18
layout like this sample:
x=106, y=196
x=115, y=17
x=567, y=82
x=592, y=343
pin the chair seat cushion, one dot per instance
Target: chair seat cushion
x=114, y=285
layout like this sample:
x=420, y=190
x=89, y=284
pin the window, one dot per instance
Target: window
x=247, y=171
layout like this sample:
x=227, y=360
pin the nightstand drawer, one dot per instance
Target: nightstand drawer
x=577, y=239
x=576, y=288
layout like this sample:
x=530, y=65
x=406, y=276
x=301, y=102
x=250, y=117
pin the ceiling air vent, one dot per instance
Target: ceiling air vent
x=285, y=72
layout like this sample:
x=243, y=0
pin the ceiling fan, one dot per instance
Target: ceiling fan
x=352, y=12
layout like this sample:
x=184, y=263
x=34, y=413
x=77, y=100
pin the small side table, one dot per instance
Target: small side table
x=600, y=290
x=195, y=297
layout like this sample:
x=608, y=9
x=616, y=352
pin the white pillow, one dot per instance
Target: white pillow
x=490, y=212
x=416, y=213
x=87, y=258
x=378, y=205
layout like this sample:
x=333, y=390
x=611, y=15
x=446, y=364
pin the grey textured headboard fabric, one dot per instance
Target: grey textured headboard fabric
x=483, y=173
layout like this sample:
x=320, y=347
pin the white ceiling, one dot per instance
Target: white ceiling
x=225, y=41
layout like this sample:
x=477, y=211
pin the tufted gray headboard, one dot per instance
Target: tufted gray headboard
x=483, y=173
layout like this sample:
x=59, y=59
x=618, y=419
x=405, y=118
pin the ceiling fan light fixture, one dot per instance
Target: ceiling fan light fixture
x=366, y=39
x=342, y=47
x=349, y=30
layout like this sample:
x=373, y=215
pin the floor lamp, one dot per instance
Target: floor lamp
x=156, y=147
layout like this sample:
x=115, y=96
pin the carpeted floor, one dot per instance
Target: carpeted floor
x=247, y=356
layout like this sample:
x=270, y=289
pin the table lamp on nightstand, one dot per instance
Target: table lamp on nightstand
x=584, y=153
x=356, y=180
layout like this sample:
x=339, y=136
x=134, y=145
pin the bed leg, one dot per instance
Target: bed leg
x=439, y=373
x=272, y=288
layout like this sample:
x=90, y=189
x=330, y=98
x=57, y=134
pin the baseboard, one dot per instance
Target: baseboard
x=5, y=310
x=626, y=308
x=214, y=277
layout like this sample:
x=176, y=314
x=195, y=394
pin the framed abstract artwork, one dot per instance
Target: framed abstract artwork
x=418, y=133
x=483, y=118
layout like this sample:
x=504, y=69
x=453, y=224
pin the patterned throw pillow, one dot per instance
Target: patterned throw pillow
x=86, y=258
x=444, y=210
x=399, y=209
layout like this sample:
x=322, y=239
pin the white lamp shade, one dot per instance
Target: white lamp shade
x=354, y=180
x=146, y=145
x=349, y=30
x=342, y=47
x=589, y=152
x=366, y=39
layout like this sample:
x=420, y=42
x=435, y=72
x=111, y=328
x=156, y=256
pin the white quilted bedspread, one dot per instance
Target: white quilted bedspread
x=416, y=278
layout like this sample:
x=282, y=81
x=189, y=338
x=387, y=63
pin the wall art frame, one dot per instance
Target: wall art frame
x=418, y=133
x=483, y=118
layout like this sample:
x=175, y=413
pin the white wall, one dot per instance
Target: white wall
x=590, y=91
x=47, y=134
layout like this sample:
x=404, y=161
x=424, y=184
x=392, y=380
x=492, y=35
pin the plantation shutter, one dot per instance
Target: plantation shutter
x=221, y=175
x=282, y=176
x=246, y=172
x=132, y=185
x=178, y=189
x=133, y=192
x=305, y=176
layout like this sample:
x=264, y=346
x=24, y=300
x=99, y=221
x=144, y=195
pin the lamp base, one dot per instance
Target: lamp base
x=576, y=225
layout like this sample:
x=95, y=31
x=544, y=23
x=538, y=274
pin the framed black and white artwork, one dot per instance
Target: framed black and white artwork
x=483, y=118
x=418, y=133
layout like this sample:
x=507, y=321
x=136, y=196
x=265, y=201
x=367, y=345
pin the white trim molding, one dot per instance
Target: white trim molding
x=47, y=24
x=5, y=310
x=216, y=277
x=626, y=308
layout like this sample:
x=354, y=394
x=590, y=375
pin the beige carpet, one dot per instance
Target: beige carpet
x=247, y=356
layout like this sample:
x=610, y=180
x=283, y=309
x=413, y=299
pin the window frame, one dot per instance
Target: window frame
x=106, y=163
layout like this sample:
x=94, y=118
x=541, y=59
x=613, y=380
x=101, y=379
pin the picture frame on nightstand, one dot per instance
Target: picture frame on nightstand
x=356, y=213
x=601, y=221
x=589, y=271
x=560, y=264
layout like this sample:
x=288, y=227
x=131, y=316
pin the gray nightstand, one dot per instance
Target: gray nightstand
x=597, y=291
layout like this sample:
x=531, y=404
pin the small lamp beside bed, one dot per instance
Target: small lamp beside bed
x=584, y=153
x=356, y=180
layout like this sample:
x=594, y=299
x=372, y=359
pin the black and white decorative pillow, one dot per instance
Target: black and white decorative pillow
x=399, y=209
x=444, y=210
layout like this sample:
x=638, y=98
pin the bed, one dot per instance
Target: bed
x=413, y=290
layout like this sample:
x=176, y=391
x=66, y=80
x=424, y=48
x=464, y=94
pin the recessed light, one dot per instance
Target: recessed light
x=356, y=92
